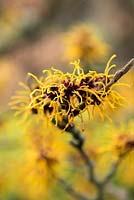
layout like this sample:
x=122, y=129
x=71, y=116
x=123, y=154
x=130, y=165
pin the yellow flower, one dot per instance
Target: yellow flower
x=61, y=94
x=82, y=42
x=122, y=144
x=116, y=144
x=45, y=158
x=121, y=140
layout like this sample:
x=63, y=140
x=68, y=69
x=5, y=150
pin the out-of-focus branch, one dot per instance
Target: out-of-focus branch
x=78, y=143
x=114, y=168
x=68, y=188
x=110, y=175
x=120, y=73
x=77, y=136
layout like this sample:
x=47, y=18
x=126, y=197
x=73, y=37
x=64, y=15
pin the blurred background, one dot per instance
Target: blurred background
x=37, y=35
x=31, y=33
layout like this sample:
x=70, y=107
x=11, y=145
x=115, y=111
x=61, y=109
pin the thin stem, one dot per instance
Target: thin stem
x=68, y=188
x=88, y=162
x=78, y=143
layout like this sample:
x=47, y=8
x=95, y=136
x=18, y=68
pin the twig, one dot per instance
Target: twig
x=79, y=146
x=78, y=142
x=71, y=190
x=120, y=73
x=88, y=162
x=68, y=188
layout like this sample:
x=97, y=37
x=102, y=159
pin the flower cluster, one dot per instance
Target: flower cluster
x=59, y=94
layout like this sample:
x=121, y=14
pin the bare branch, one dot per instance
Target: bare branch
x=120, y=73
x=78, y=142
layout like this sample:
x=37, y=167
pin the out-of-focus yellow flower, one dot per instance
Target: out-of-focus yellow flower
x=123, y=143
x=82, y=42
x=117, y=143
x=30, y=157
x=121, y=140
x=69, y=94
x=44, y=158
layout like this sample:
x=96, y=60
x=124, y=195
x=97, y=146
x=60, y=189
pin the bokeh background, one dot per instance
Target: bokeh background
x=33, y=37
x=31, y=31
